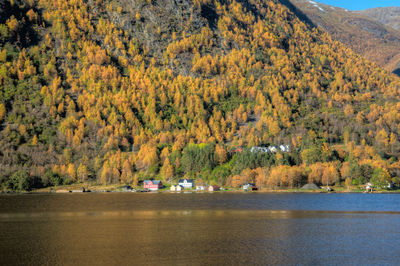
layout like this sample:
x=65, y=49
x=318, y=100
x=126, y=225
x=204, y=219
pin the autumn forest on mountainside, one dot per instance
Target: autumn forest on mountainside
x=120, y=91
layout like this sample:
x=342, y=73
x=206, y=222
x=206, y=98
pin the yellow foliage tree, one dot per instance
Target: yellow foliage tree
x=330, y=175
x=167, y=170
x=147, y=156
x=71, y=172
x=82, y=173
x=220, y=153
x=126, y=174
x=2, y=111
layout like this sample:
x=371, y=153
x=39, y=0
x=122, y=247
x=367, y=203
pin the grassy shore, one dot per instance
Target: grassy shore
x=117, y=187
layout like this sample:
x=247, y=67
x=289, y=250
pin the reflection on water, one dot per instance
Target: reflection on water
x=198, y=229
x=145, y=215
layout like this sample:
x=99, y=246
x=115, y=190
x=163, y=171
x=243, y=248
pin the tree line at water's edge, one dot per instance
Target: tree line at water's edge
x=118, y=91
x=214, y=164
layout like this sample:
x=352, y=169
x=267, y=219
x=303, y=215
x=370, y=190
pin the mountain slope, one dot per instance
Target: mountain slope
x=116, y=91
x=389, y=16
x=366, y=35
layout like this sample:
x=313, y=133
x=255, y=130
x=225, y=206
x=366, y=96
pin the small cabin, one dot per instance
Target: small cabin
x=249, y=187
x=176, y=188
x=186, y=183
x=213, y=188
x=152, y=185
x=200, y=188
x=369, y=187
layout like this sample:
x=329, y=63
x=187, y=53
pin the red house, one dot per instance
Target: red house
x=152, y=184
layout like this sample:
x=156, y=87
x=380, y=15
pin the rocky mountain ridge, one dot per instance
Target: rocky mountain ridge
x=371, y=33
x=389, y=16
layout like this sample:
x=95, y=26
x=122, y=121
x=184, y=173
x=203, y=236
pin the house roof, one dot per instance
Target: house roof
x=310, y=186
x=155, y=182
x=187, y=180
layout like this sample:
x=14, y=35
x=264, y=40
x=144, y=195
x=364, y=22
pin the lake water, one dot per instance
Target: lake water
x=199, y=229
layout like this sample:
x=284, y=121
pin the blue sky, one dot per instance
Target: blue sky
x=360, y=4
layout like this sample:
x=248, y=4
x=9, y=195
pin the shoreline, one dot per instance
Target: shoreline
x=84, y=189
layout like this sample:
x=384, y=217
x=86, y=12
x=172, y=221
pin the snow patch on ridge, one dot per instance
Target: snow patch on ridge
x=315, y=4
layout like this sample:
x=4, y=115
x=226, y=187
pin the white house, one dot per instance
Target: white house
x=249, y=187
x=284, y=148
x=186, y=183
x=259, y=149
x=271, y=149
x=199, y=188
